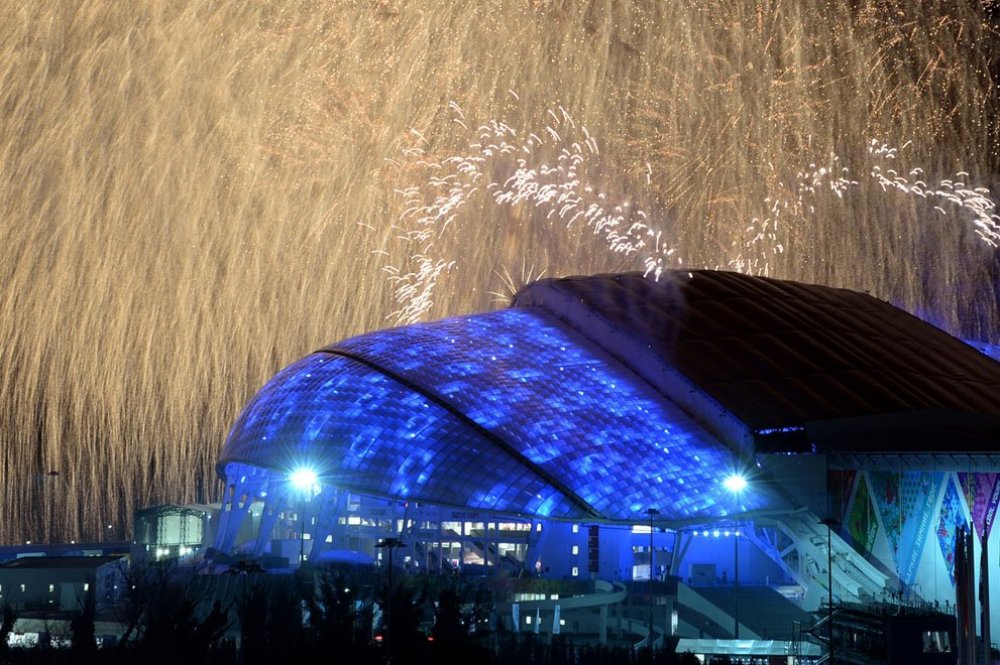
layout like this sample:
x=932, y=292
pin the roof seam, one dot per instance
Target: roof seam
x=573, y=497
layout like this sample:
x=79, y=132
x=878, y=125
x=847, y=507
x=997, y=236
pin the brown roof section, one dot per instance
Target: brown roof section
x=781, y=354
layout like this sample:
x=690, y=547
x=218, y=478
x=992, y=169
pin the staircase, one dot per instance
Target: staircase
x=799, y=543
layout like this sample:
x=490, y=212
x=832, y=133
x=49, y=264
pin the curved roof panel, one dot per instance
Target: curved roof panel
x=509, y=411
x=776, y=354
x=362, y=430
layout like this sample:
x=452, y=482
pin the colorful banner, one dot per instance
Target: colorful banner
x=885, y=494
x=918, y=491
x=841, y=485
x=982, y=492
x=861, y=523
x=950, y=517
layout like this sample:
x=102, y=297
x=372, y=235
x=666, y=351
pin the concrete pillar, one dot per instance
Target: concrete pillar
x=668, y=629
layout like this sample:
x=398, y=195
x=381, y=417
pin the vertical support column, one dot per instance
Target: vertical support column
x=274, y=503
x=965, y=598
x=330, y=503
x=243, y=486
x=531, y=553
x=602, y=635
x=984, y=598
x=668, y=623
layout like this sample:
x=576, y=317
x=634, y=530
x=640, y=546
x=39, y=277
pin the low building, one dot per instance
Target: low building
x=171, y=531
x=61, y=584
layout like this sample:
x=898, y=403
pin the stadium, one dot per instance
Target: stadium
x=735, y=438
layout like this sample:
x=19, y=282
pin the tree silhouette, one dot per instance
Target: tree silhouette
x=83, y=644
x=8, y=617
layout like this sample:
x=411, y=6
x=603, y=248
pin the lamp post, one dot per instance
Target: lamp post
x=389, y=544
x=652, y=513
x=736, y=483
x=830, y=523
x=736, y=582
x=304, y=479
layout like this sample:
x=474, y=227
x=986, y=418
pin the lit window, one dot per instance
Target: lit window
x=86, y=586
x=52, y=588
x=576, y=528
x=22, y=588
x=576, y=571
x=576, y=549
x=527, y=619
x=538, y=527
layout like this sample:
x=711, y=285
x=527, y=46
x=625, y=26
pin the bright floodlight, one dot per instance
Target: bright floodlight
x=735, y=483
x=304, y=479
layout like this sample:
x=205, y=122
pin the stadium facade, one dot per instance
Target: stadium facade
x=598, y=426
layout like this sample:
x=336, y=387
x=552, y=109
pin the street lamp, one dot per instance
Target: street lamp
x=829, y=522
x=736, y=483
x=652, y=513
x=303, y=479
x=389, y=544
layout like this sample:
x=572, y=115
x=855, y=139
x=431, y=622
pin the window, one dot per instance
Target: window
x=576, y=549
x=526, y=597
x=640, y=572
x=576, y=528
x=576, y=571
x=513, y=526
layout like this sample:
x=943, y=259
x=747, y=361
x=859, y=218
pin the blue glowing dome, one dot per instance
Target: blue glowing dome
x=600, y=397
x=508, y=411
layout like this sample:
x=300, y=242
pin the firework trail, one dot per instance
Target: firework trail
x=515, y=170
x=196, y=195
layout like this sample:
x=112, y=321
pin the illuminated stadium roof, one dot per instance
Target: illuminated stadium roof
x=600, y=397
x=780, y=357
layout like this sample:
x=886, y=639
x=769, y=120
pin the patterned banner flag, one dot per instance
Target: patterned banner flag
x=950, y=518
x=982, y=491
x=841, y=486
x=918, y=491
x=885, y=494
x=861, y=523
